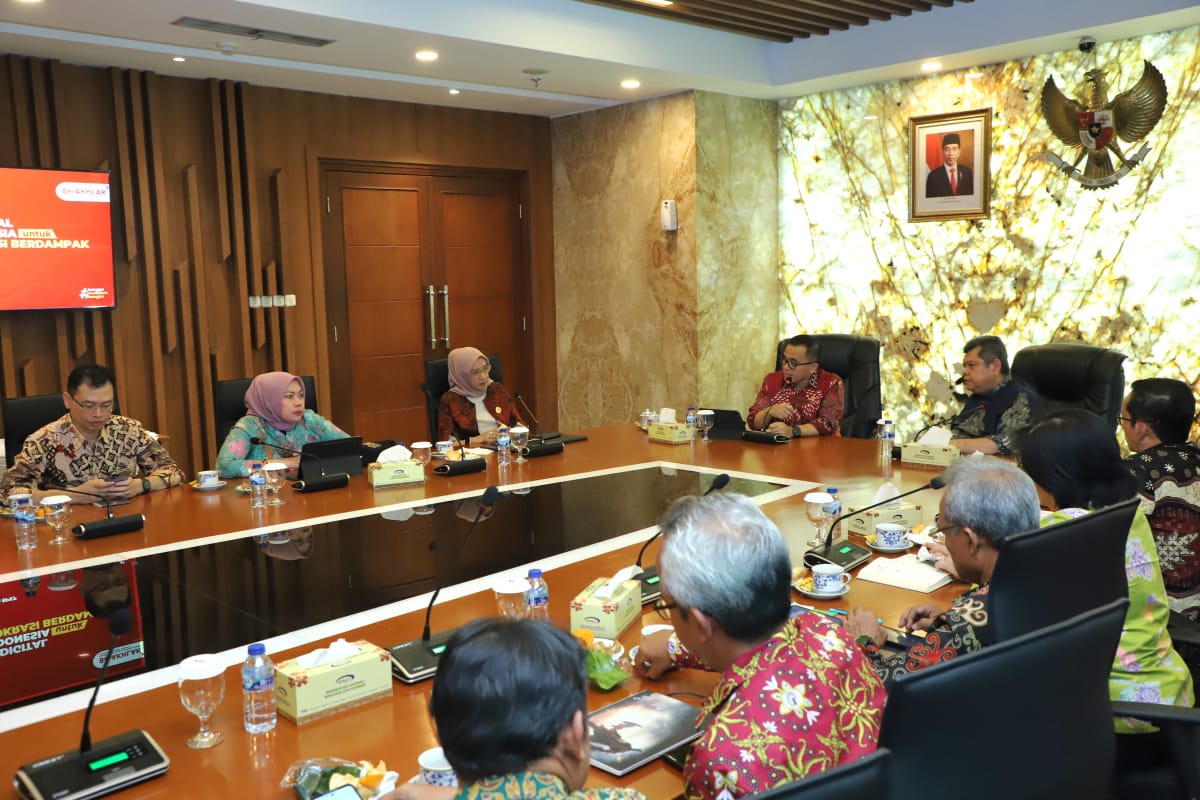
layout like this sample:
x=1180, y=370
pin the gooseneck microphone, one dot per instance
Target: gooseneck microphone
x=291, y=451
x=104, y=527
x=415, y=660
x=651, y=591
x=934, y=424
x=118, y=624
x=542, y=435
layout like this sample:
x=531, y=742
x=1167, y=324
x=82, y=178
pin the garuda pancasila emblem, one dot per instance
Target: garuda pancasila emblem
x=1095, y=125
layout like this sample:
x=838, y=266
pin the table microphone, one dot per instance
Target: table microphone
x=542, y=436
x=118, y=624
x=416, y=660
x=651, y=591
x=848, y=555
x=104, y=527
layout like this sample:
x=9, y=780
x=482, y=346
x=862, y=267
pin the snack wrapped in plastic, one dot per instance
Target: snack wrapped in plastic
x=314, y=777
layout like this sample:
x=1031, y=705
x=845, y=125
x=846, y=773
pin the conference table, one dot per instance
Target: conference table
x=183, y=523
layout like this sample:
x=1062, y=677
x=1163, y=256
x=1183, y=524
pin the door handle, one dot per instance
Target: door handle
x=432, y=322
x=445, y=315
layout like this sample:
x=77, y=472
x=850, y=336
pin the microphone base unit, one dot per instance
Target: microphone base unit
x=110, y=766
x=844, y=554
x=651, y=585
x=417, y=660
x=108, y=527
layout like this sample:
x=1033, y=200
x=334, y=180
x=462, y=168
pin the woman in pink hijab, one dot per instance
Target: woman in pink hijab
x=276, y=416
x=476, y=406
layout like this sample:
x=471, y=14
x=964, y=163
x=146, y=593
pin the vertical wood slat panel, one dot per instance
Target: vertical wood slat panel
x=274, y=316
x=237, y=221
x=214, y=93
x=8, y=362
x=62, y=344
x=287, y=345
x=18, y=71
x=251, y=210
x=150, y=258
x=79, y=339
x=170, y=320
x=195, y=401
x=42, y=118
x=60, y=114
x=193, y=226
x=121, y=127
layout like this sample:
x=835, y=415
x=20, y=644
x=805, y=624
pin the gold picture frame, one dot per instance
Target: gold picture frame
x=938, y=191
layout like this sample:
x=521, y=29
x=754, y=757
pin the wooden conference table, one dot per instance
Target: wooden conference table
x=397, y=730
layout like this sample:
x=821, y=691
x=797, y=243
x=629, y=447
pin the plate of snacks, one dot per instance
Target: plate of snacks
x=314, y=777
x=606, y=666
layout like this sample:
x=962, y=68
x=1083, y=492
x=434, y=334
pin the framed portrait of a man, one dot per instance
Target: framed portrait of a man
x=949, y=176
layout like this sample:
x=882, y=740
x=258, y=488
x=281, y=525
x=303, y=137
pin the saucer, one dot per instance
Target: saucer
x=615, y=649
x=881, y=549
x=218, y=485
x=822, y=595
x=243, y=488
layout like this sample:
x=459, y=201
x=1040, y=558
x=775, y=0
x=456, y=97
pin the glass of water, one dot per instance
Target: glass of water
x=520, y=440
x=276, y=474
x=704, y=421
x=57, y=510
x=201, y=690
x=814, y=507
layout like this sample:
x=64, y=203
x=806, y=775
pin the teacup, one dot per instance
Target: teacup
x=829, y=578
x=443, y=447
x=208, y=478
x=889, y=534
x=435, y=769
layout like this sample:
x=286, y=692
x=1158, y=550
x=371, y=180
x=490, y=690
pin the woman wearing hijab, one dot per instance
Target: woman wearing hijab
x=277, y=416
x=476, y=406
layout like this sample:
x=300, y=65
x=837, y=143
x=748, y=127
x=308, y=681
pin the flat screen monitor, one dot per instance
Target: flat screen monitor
x=55, y=240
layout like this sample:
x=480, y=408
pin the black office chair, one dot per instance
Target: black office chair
x=862, y=779
x=231, y=402
x=1069, y=375
x=1050, y=574
x=1026, y=718
x=856, y=360
x=437, y=383
x=24, y=415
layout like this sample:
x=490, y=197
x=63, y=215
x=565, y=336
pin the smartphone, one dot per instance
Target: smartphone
x=903, y=639
x=346, y=792
x=123, y=475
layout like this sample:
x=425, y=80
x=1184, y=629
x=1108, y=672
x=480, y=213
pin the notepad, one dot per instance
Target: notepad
x=905, y=572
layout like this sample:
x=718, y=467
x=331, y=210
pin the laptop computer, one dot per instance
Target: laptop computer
x=318, y=459
x=727, y=424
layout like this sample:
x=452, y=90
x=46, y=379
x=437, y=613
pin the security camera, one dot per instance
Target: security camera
x=1086, y=44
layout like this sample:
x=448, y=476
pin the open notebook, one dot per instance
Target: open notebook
x=906, y=572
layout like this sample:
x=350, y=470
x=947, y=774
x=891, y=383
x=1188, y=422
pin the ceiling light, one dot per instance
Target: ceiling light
x=427, y=55
x=455, y=91
x=179, y=59
x=630, y=83
x=29, y=2
x=663, y=3
x=931, y=66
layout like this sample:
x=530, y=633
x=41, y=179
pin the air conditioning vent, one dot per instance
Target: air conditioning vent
x=231, y=29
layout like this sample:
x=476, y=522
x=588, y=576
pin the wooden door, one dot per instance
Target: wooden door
x=393, y=243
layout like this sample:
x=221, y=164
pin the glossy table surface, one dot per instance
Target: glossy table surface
x=397, y=730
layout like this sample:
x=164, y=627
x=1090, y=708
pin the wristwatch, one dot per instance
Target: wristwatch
x=796, y=434
x=145, y=485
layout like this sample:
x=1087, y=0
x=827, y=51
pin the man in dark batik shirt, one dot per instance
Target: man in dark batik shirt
x=999, y=407
x=1156, y=419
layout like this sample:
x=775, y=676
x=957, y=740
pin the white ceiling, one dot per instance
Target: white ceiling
x=485, y=44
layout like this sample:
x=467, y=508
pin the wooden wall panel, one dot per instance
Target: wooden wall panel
x=215, y=197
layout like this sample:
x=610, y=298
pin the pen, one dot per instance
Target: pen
x=832, y=612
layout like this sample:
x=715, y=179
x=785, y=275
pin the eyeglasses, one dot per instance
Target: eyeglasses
x=663, y=608
x=945, y=529
x=792, y=363
x=1121, y=419
x=107, y=405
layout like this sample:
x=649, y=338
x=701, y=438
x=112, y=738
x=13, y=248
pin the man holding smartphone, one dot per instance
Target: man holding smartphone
x=91, y=449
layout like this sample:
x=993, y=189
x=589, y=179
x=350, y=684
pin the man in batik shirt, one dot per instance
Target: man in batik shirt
x=999, y=406
x=1156, y=419
x=796, y=696
x=800, y=399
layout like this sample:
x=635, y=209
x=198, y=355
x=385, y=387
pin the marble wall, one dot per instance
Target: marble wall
x=1053, y=262
x=644, y=315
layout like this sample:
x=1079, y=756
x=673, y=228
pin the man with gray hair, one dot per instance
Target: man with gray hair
x=986, y=501
x=795, y=697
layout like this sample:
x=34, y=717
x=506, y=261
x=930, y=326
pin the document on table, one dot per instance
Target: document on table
x=905, y=572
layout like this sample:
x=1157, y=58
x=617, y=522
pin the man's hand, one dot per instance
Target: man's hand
x=653, y=659
x=420, y=791
x=781, y=428
x=99, y=486
x=921, y=616
x=781, y=411
x=861, y=622
x=944, y=562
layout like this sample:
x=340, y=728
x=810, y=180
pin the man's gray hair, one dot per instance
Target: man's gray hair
x=721, y=555
x=992, y=497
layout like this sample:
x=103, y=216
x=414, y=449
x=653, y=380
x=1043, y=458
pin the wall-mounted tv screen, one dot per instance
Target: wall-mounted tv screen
x=55, y=240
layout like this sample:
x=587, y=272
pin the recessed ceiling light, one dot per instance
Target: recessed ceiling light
x=427, y=55
x=630, y=83
x=455, y=91
x=663, y=3
x=29, y=2
x=931, y=66
x=179, y=59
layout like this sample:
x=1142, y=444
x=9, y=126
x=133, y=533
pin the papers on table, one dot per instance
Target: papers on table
x=905, y=572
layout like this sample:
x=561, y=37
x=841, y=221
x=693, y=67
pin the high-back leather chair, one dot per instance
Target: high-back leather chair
x=856, y=360
x=1053, y=573
x=861, y=779
x=437, y=383
x=1069, y=375
x=231, y=402
x=24, y=415
x=1028, y=718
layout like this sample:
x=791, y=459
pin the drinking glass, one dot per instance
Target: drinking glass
x=704, y=421
x=520, y=440
x=814, y=507
x=276, y=473
x=57, y=510
x=201, y=689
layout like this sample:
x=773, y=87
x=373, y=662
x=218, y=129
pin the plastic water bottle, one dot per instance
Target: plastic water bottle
x=258, y=486
x=25, y=516
x=502, y=444
x=690, y=420
x=833, y=509
x=887, y=438
x=258, y=690
x=537, y=597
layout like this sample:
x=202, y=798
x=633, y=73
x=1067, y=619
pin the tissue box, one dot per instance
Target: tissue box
x=906, y=514
x=671, y=433
x=396, y=473
x=930, y=454
x=607, y=617
x=303, y=695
